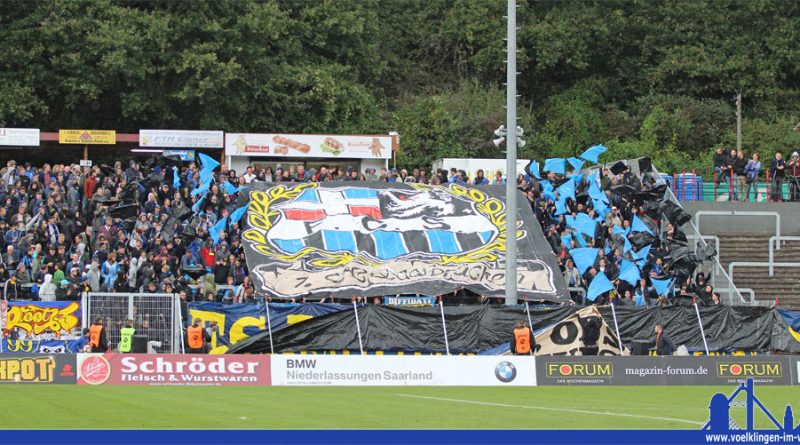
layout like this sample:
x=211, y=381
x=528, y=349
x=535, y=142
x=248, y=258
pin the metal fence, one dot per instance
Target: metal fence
x=156, y=316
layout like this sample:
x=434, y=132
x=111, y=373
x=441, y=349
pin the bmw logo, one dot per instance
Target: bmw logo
x=505, y=372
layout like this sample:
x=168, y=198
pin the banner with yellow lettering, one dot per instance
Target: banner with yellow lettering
x=40, y=320
x=56, y=368
x=237, y=322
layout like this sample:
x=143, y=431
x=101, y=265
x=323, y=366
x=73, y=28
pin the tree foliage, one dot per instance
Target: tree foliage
x=642, y=76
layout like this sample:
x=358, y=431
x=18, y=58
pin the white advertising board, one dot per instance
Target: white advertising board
x=309, y=145
x=24, y=137
x=395, y=370
x=181, y=139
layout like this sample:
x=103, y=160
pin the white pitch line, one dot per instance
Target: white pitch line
x=545, y=408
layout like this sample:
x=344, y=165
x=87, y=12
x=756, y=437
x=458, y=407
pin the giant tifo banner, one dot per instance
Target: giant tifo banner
x=173, y=369
x=375, y=239
x=309, y=145
x=41, y=320
x=37, y=368
x=240, y=321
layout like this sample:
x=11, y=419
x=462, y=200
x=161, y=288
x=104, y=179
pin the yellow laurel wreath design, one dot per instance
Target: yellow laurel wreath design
x=261, y=215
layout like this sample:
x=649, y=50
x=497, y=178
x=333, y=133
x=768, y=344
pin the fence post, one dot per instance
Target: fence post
x=731, y=188
x=769, y=187
x=715, y=185
x=694, y=185
x=675, y=185
x=358, y=327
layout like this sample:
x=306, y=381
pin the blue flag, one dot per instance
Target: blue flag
x=584, y=258
x=555, y=165
x=575, y=163
x=577, y=178
x=217, y=229
x=207, y=162
x=176, y=178
x=601, y=207
x=595, y=192
x=196, y=206
x=628, y=246
x=201, y=190
x=238, y=213
x=663, y=287
x=618, y=231
x=629, y=273
x=639, y=226
x=566, y=190
x=533, y=169
x=547, y=190
x=583, y=223
x=561, y=206
x=579, y=238
x=231, y=189
x=641, y=256
x=592, y=153
x=600, y=285
x=567, y=240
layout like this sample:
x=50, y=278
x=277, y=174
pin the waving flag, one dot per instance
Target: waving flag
x=663, y=287
x=584, y=258
x=218, y=228
x=566, y=190
x=176, y=178
x=592, y=153
x=629, y=273
x=575, y=163
x=238, y=213
x=600, y=285
x=641, y=256
x=555, y=165
x=533, y=169
x=583, y=223
x=196, y=206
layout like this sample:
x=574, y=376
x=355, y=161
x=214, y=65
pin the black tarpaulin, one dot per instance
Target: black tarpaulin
x=480, y=328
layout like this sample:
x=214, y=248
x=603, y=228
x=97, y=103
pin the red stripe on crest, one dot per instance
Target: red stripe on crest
x=304, y=215
x=370, y=211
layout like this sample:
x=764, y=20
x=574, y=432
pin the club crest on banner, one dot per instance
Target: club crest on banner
x=373, y=239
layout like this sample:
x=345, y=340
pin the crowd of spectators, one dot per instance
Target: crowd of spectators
x=742, y=175
x=59, y=238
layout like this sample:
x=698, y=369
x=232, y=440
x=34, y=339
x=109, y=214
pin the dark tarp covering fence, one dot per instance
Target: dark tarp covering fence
x=476, y=329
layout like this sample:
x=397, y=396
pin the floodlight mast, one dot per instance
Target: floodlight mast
x=511, y=156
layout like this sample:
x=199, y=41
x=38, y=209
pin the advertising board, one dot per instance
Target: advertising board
x=56, y=368
x=22, y=137
x=397, y=370
x=309, y=145
x=181, y=139
x=636, y=370
x=173, y=369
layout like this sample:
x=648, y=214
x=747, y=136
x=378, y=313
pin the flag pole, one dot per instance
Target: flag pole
x=702, y=331
x=528, y=312
x=616, y=328
x=269, y=326
x=358, y=327
x=511, y=156
x=444, y=326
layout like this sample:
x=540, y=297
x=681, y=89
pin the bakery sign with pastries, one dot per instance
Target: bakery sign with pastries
x=308, y=145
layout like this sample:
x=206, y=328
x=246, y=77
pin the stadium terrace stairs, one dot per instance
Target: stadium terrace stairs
x=785, y=282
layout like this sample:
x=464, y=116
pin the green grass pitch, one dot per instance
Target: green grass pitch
x=67, y=406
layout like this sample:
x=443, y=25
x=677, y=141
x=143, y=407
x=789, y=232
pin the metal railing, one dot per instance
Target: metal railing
x=770, y=265
x=773, y=241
